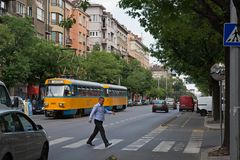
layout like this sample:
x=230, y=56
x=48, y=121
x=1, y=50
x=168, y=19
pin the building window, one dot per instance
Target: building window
x=60, y=3
x=40, y=14
x=94, y=18
x=20, y=8
x=60, y=18
x=57, y=37
x=30, y=11
x=84, y=21
x=54, y=3
x=53, y=18
x=60, y=38
x=94, y=33
x=53, y=36
x=3, y=5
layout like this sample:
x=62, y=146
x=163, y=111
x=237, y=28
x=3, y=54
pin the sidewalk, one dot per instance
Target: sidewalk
x=210, y=124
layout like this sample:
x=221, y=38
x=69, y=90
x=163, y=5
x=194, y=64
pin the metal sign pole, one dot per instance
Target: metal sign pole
x=221, y=116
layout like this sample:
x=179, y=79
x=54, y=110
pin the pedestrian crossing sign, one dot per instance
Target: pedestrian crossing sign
x=231, y=35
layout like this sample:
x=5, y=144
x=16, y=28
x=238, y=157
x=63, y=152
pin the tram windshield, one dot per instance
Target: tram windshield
x=58, y=90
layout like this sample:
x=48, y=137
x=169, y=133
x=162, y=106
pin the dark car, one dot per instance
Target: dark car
x=160, y=105
x=37, y=107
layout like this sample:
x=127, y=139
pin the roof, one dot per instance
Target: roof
x=78, y=82
x=114, y=86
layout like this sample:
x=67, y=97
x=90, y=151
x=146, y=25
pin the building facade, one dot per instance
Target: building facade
x=122, y=44
x=159, y=72
x=35, y=9
x=56, y=15
x=137, y=50
x=79, y=31
x=102, y=29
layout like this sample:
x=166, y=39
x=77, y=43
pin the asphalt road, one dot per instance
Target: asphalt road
x=136, y=133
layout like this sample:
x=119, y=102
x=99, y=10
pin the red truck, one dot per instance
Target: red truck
x=186, y=103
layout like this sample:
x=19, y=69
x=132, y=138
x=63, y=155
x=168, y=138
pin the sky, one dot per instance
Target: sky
x=131, y=24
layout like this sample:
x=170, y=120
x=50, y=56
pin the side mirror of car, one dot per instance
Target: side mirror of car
x=39, y=127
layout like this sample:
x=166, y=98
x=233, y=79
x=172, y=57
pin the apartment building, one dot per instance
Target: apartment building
x=56, y=15
x=137, y=50
x=159, y=72
x=122, y=44
x=102, y=28
x=77, y=36
x=37, y=9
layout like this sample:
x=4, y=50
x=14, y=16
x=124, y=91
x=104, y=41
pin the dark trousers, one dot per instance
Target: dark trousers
x=98, y=127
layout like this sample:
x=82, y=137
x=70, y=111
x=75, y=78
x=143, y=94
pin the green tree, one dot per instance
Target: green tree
x=102, y=67
x=19, y=38
x=173, y=15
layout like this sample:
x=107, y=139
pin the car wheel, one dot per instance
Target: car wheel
x=153, y=110
x=166, y=111
x=7, y=157
x=44, y=153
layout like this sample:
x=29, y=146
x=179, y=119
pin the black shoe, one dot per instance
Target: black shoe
x=107, y=144
x=90, y=143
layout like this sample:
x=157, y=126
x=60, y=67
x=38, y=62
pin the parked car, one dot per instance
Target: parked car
x=171, y=103
x=204, y=105
x=130, y=102
x=186, y=103
x=137, y=103
x=160, y=105
x=145, y=102
x=20, y=137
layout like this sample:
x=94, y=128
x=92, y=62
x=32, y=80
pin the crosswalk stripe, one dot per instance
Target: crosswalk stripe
x=137, y=144
x=113, y=141
x=60, y=140
x=76, y=144
x=145, y=139
x=164, y=146
x=195, y=142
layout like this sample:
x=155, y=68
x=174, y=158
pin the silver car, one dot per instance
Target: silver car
x=20, y=137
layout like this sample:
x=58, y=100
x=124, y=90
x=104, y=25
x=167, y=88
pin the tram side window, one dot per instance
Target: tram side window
x=106, y=92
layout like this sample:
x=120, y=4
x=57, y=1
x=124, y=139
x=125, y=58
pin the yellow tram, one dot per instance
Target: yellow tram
x=69, y=97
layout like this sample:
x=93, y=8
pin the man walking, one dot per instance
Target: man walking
x=98, y=114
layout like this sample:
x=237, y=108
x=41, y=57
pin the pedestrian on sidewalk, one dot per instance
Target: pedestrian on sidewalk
x=97, y=114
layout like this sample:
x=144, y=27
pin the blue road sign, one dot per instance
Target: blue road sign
x=231, y=35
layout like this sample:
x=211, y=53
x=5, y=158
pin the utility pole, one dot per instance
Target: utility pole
x=234, y=94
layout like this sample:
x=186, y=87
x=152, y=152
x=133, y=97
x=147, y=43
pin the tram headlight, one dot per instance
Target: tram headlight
x=61, y=104
x=45, y=104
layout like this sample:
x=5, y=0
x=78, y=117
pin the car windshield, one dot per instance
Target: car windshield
x=170, y=99
x=53, y=91
x=158, y=101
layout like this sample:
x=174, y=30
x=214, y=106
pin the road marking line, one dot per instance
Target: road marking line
x=164, y=146
x=186, y=122
x=113, y=141
x=77, y=144
x=59, y=140
x=144, y=140
x=195, y=142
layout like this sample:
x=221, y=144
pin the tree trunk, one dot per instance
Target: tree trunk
x=226, y=141
x=216, y=99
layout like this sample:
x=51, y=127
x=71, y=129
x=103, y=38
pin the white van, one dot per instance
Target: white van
x=205, y=105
